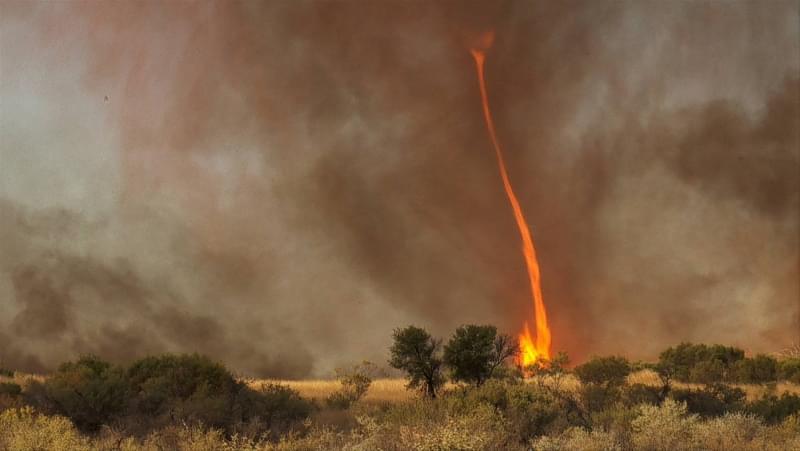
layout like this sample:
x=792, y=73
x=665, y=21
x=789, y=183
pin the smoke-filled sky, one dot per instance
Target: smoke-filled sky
x=280, y=184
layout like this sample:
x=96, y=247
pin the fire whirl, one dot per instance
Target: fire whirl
x=531, y=349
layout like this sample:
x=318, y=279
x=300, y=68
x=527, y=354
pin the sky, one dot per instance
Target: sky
x=279, y=185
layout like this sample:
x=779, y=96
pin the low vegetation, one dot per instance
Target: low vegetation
x=465, y=394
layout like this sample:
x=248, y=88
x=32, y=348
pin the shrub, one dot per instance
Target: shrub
x=711, y=401
x=789, y=370
x=774, y=409
x=530, y=410
x=10, y=389
x=664, y=427
x=578, y=439
x=708, y=372
x=480, y=429
x=606, y=371
x=733, y=431
x=279, y=405
x=196, y=390
x=533, y=411
x=90, y=392
x=475, y=352
x=355, y=383
x=417, y=353
x=183, y=387
x=678, y=362
x=598, y=397
x=757, y=370
x=635, y=394
x=5, y=372
x=618, y=420
x=158, y=382
x=24, y=430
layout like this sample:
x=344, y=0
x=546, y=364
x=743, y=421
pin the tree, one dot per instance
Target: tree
x=417, y=353
x=475, y=352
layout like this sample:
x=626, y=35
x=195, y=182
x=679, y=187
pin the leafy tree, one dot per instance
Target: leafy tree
x=417, y=353
x=475, y=352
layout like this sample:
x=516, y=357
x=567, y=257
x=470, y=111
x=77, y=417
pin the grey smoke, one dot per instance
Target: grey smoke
x=280, y=184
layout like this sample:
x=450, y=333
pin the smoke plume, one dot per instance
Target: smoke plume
x=279, y=184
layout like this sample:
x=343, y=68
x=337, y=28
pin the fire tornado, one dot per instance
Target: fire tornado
x=531, y=350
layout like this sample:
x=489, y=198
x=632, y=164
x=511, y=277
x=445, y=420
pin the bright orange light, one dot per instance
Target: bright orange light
x=530, y=351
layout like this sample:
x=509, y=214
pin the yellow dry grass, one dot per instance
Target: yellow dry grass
x=22, y=379
x=753, y=391
x=393, y=390
x=389, y=390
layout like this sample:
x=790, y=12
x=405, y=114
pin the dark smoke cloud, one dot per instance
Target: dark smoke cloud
x=279, y=184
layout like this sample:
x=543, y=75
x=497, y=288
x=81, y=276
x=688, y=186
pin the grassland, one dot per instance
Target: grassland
x=393, y=390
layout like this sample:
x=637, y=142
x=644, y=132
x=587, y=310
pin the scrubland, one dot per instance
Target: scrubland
x=394, y=390
x=188, y=402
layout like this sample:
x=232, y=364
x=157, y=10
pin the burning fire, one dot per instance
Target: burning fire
x=531, y=350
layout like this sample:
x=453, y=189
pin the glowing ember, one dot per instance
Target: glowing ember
x=540, y=349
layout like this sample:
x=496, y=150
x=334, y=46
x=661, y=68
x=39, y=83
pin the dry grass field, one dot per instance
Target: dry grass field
x=393, y=390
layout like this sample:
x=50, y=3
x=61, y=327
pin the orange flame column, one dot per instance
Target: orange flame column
x=540, y=349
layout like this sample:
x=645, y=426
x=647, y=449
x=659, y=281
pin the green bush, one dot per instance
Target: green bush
x=635, y=394
x=708, y=372
x=679, y=362
x=774, y=409
x=606, y=371
x=530, y=410
x=712, y=401
x=278, y=404
x=760, y=369
x=5, y=372
x=533, y=411
x=90, y=392
x=194, y=389
x=355, y=384
x=10, y=389
x=159, y=382
x=159, y=391
x=595, y=397
x=789, y=370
